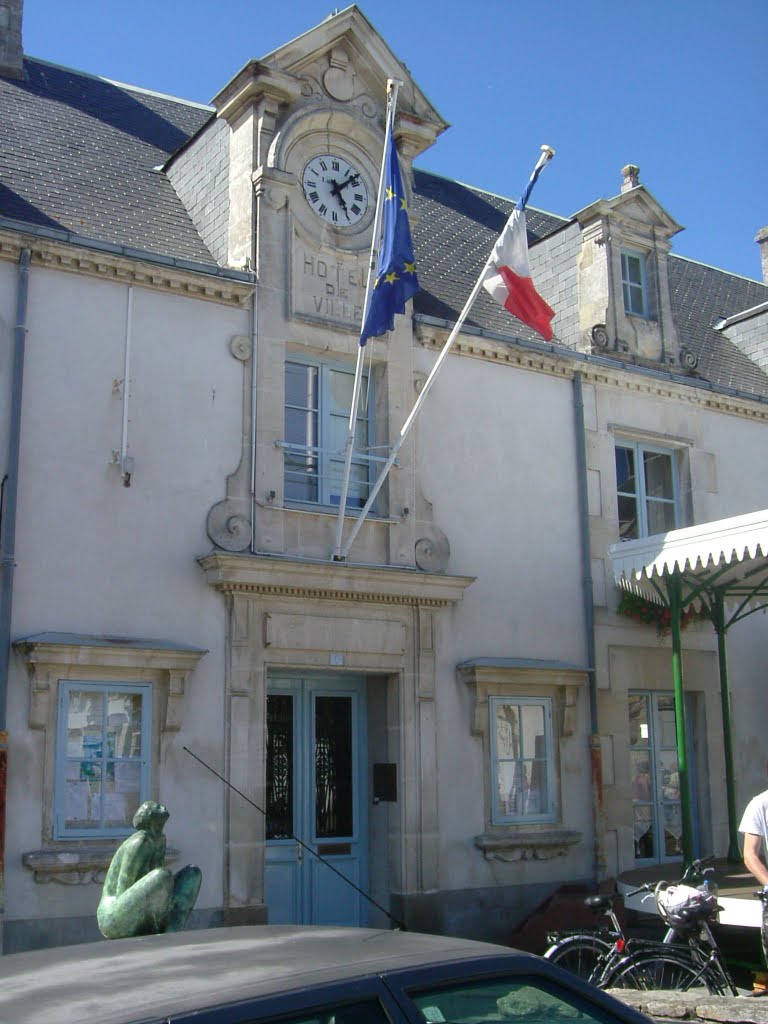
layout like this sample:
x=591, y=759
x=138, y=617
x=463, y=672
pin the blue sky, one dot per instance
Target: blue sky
x=675, y=86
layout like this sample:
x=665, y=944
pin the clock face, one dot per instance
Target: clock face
x=335, y=190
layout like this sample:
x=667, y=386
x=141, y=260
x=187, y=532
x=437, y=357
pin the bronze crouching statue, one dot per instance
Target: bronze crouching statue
x=140, y=895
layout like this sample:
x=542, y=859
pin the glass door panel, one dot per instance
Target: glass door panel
x=656, y=809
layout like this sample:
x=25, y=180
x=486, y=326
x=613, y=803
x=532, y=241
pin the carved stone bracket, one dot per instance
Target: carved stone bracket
x=527, y=844
x=54, y=656
x=496, y=676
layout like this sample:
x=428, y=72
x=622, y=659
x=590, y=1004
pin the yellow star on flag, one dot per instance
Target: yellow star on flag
x=391, y=277
x=402, y=203
x=390, y=194
x=409, y=268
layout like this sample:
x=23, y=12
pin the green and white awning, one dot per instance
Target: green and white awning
x=729, y=556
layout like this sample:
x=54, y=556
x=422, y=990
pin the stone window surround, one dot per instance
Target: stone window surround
x=51, y=657
x=502, y=677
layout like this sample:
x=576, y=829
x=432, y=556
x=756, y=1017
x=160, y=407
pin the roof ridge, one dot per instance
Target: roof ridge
x=495, y=195
x=121, y=85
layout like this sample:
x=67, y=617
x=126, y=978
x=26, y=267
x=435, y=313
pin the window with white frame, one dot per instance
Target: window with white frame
x=522, y=757
x=103, y=760
x=647, y=489
x=318, y=399
x=634, y=283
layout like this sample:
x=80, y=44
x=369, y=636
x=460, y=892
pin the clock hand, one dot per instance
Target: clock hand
x=336, y=191
x=338, y=186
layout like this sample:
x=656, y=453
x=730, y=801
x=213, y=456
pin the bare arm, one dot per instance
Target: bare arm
x=752, y=859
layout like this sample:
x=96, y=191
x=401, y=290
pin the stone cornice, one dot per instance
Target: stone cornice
x=281, y=577
x=77, y=258
x=545, y=359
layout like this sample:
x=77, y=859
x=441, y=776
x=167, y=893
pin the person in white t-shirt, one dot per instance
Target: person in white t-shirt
x=754, y=825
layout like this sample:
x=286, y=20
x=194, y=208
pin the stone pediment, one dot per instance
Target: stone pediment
x=343, y=61
x=636, y=207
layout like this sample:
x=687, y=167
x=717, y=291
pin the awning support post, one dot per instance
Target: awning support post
x=718, y=620
x=674, y=590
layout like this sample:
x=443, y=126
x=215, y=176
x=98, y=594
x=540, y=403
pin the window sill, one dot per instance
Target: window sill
x=76, y=865
x=527, y=843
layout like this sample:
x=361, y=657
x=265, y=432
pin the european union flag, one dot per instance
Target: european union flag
x=396, y=279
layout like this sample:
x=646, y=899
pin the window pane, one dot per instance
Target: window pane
x=510, y=788
x=341, y=386
x=359, y=484
x=641, y=776
x=625, y=470
x=639, y=734
x=333, y=767
x=537, y=797
x=124, y=725
x=301, y=477
x=659, y=479
x=507, y=731
x=634, y=300
x=504, y=999
x=122, y=790
x=644, y=841
x=661, y=516
x=665, y=708
x=670, y=777
x=534, y=741
x=628, y=525
x=82, y=794
x=301, y=427
x=301, y=385
x=633, y=269
x=279, y=766
x=673, y=831
x=85, y=712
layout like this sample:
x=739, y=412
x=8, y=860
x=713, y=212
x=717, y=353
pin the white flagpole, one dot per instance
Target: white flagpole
x=546, y=155
x=393, y=87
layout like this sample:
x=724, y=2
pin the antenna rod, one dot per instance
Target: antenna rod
x=399, y=924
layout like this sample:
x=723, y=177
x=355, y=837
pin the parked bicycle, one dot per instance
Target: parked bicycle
x=688, y=956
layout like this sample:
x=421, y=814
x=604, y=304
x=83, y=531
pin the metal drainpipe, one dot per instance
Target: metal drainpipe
x=595, y=748
x=254, y=347
x=8, y=546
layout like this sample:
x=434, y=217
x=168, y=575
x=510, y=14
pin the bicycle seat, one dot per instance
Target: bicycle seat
x=598, y=902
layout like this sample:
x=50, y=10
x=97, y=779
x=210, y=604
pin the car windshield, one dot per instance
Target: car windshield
x=520, y=999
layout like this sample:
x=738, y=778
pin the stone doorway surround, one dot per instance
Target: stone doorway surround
x=286, y=613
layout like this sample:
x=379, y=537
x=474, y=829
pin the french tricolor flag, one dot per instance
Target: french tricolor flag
x=508, y=278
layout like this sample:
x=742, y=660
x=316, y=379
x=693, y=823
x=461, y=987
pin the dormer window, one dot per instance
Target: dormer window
x=634, y=283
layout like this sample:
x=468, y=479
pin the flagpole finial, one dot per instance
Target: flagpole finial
x=392, y=82
x=548, y=151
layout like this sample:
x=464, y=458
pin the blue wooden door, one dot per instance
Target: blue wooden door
x=316, y=791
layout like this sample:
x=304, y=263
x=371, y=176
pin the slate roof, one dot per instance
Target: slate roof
x=455, y=228
x=457, y=225
x=79, y=154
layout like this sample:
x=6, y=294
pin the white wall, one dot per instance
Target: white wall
x=95, y=557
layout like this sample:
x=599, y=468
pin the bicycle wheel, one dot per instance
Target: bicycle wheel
x=578, y=954
x=656, y=971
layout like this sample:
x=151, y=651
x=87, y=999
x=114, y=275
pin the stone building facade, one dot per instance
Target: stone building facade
x=455, y=716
